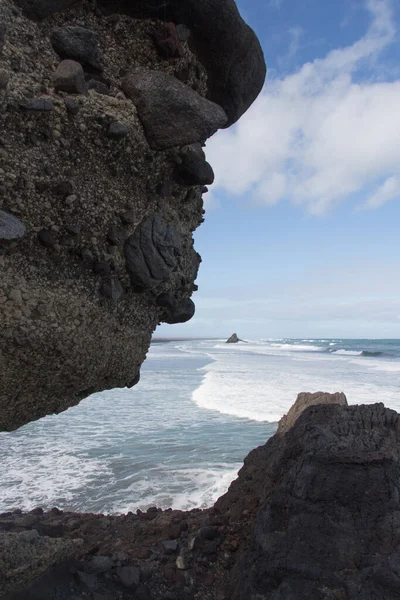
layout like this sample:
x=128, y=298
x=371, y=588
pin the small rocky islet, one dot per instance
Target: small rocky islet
x=105, y=110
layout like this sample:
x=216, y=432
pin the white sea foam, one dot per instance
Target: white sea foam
x=347, y=352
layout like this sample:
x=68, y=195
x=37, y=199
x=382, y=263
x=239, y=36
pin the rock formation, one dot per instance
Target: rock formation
x=313, y=515
x=304, y=400
x=234, y=339
x=105, y=109
x=316, y=508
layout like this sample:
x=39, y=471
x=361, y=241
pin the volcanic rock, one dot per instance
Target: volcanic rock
x=78, y=44
x=172, y=114
x=151, y=252
x=69, y=77
x=228, y=47
x=304, y=400
x=194, y=169
x=73, y=299
x=233, y=339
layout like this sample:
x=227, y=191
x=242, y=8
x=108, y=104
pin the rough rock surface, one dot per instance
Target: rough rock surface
x=80, y=173
x=321, y=509
x=172, y=114
x=26, y=555
x=313, y=514
x=225, y=44
x=304, y=400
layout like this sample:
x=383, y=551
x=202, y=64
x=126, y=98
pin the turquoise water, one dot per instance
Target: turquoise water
x=179, y=437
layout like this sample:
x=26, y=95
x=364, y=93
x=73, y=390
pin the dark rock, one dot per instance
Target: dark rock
x=69, y=77
x=117, y=130
x=3, y=30
x=228, y=47
x=112, y=289
x=151, y=251
x=63, y=189
x=37, y=104
x=102, y=267
x=209, y=532
x=171, y=113
x=167, y=42
x=170, y=546
x=90, y=581
x=127, y=218
x=328, y=513
x=53, y=529
x=194, y=169
x=164, y=190
x=11, y=229
x=183, y=32
x=37, y=511
x=234, y=339
x=98, y=564
x=177, y=311
x=46, y=238
x=73, y=229
x=4, y=78
x=142, y=592
x=99, y=87
x=87, y=255
x=128, y=576
x=56, y=511
x=182, y=74
x=72, y=105
x=41, y=9
x=130, y=385
x=77, y=43
x=304, y=400
x=116, y=236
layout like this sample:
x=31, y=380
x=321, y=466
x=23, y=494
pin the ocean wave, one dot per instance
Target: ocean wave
x=346, y=352
x=372, y=354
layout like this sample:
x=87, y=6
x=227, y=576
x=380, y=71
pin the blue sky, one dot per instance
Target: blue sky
x=301, y=231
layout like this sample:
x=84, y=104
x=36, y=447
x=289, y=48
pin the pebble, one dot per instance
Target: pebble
x=37, y=105
x=117, y=130
x=16, y=296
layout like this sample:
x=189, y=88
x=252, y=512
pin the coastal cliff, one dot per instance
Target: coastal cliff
x=313, y=515
x=105, y=109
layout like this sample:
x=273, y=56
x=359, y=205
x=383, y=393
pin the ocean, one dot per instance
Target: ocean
x=180, y=436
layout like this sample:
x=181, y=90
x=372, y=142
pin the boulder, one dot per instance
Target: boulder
x=69, y=77
x=171, y=113
x=151, y=252
x=304, y=400
x=177, y=311
x=78, y=44
x=194, y=169
x=228, y=47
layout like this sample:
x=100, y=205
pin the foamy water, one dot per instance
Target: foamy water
x=180, y=436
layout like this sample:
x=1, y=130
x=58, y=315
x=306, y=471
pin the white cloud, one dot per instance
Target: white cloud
x=389, y=190
x=318, y=136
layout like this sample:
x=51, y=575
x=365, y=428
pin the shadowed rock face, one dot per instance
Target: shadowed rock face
x=102, y=175
x=325, y=503
x=226, y=45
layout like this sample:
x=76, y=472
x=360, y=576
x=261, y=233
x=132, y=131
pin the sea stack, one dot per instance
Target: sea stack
x=233, y=339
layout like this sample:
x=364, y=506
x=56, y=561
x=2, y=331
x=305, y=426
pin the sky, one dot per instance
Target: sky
x=301, y=231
